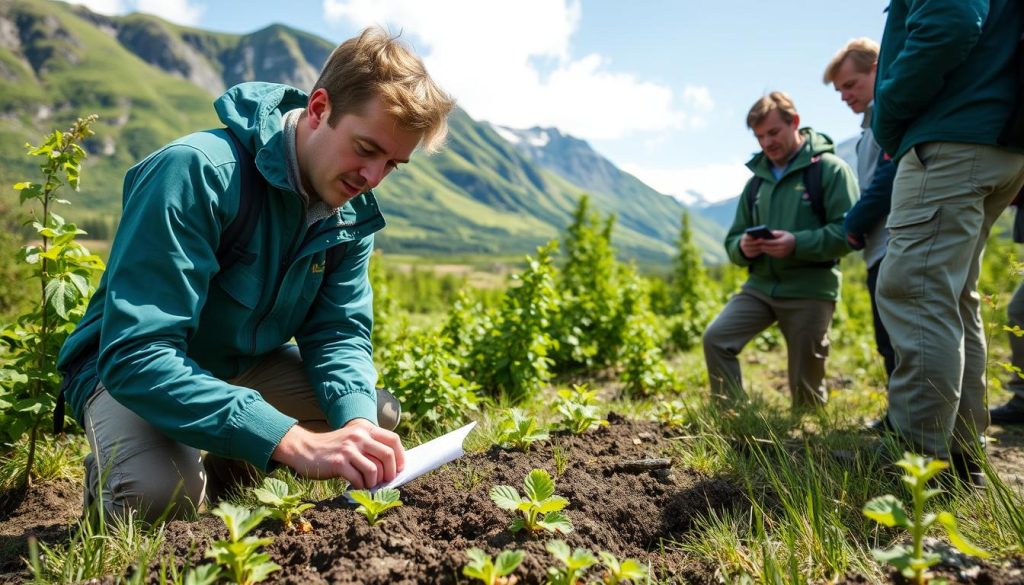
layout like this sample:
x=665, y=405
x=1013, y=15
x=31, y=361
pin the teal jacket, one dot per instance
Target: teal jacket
x=165, y=329
x=945, y=72
x=807, y=273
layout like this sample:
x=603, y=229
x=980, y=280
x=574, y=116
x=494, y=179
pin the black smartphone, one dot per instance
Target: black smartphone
x=760, y=232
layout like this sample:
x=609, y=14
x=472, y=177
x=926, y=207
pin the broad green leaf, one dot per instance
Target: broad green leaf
x=898, y=556
x=203, y=575
x=508, y=560
x=517, y=525
x=539, y=486
x=948, y=521
x=387, y=496
x=361, y=497
x=506, y=497
x=556, y=522
x=887, y=510
x=553, y=504
x=559, y=549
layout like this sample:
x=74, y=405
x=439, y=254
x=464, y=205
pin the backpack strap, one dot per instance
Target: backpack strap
x=815, y=190
x=252, y=194
x=750, y=195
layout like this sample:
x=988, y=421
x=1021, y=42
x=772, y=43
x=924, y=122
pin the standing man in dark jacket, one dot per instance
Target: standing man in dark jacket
x=794, y=278
x=946, y=90
x=852, y=73
x=179, y=354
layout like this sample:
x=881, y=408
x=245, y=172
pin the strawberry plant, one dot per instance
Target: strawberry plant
x=493, y=571
x=541, y=509
x=578, y=408
x=616, y=571
x=240, y=557
x=888, y=510
x=574, y=563
x=375, y=504
x=285, y=506
x=64, y=269
x=518, y=431
x=672, y=413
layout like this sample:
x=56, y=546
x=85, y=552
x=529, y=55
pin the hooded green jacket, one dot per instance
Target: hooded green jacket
x=165, y=328
x=807, y=273
x=946, y=72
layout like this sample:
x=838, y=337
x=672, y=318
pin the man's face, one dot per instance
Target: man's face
x=356, y=154
x=778, y=139
x=856, y=87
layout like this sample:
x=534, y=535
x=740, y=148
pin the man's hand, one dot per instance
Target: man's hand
x=781, y=246
x=751, y=247
x=360, y=452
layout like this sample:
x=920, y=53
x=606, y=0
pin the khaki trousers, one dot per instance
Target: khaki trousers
x=945, y=198
x=144, y=470
x=804, y=324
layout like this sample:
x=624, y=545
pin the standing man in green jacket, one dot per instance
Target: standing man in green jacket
x=946, y=87
x=181, y=351
x=799, y=193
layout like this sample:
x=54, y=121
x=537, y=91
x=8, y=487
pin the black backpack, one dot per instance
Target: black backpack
x=812, y=182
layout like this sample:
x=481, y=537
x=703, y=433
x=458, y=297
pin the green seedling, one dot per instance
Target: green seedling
x=574, y=563
x=616, y=572
x=889, y=511
x=519, y=431
x=372, y=506
x=239, y=556
x=578, y=408
x=203, y=575
x=672, y=413
x=541, y=509
x=493, y=571
x=285, y=506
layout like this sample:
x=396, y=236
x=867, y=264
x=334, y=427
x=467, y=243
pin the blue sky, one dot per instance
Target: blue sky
x=659, y=87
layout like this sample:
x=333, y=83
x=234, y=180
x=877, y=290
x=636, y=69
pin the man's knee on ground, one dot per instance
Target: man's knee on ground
x=153, y=496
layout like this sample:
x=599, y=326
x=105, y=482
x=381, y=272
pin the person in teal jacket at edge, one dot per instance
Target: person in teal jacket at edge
x=946, y=90
x=174, y=358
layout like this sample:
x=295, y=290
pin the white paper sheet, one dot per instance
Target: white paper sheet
x=429, y=456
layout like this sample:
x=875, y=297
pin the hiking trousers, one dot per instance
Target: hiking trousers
x=945, y=198
x=133, y=466
x=804, y=324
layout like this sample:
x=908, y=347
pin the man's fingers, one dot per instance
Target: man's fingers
x=384, y=455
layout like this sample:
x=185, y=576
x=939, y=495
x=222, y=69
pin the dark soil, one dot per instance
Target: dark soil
x=634, y=514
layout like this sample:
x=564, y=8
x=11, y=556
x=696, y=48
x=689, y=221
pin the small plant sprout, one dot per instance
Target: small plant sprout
x=541, y=509
x=493, y=571
x=519, y=431
x=578, y=408
x=240, y=556
x=203, y=575
x=616, y=572
x=372, y=506
x=574, y=563
x=286, y=507
x=888, y=510
x=672, y=413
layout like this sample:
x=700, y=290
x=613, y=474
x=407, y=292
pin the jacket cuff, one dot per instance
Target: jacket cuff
x=258, y=429
x=352, y=406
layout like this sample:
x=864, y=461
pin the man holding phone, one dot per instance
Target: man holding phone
x=788, y=231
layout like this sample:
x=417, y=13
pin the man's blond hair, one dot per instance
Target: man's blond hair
x=776, y=100
x=862, y=52
x=377, y=64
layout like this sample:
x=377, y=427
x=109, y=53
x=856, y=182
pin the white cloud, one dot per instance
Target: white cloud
x=108, y=7
x=714, y=182
x=509, y=62
x=185, y=12
x=178, y=11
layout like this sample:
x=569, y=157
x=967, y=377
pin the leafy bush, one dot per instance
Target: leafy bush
x=64, y=269
x=426, y=378
x=511, y=359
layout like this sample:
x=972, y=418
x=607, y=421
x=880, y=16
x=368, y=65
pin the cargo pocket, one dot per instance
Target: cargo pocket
x=912, y=234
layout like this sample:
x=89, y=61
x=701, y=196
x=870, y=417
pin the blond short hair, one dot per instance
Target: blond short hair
x=862, y=52
x=377, y=64
x=776, y=100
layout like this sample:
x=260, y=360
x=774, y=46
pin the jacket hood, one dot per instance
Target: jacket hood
x=253, y=111
x=815, y=144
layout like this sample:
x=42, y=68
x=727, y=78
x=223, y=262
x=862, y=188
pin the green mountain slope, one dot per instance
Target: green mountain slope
x=151, y=81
